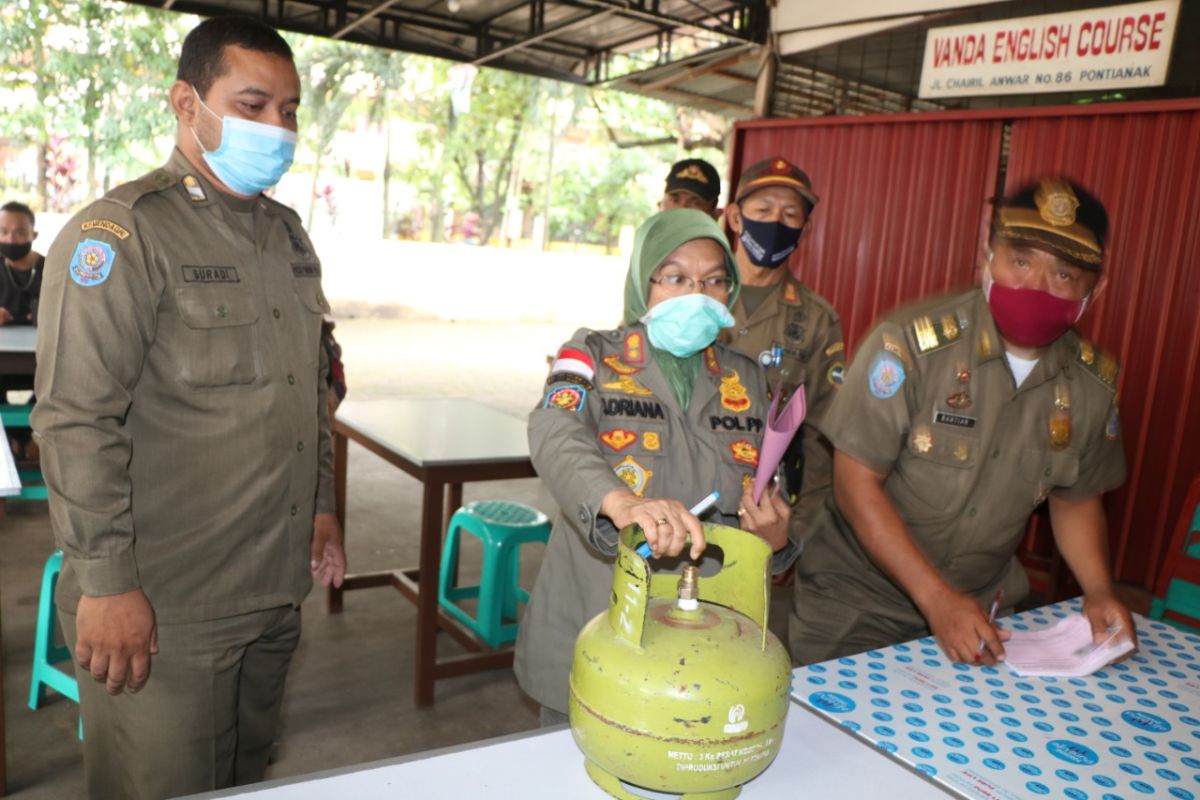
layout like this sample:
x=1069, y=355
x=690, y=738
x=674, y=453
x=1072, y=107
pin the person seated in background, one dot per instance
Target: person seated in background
x=692, y=183
x=960, y=416
x=20, y=285
x=637, y=425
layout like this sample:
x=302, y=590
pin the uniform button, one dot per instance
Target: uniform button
x=299, y=446
x=743, y=331
x=221, y=311
x=1046, y=472
x=275, y=313
x=291, y=380
x=295, y=511
x=996, y=453
x=584, y=515
x=971, y=513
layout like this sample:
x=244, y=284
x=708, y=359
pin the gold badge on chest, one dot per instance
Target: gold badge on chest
x=733, y=394
x=627, y=384
x=1060, y=418
x=962, y=398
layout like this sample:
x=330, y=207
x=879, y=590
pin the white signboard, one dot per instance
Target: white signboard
x=1117, y=47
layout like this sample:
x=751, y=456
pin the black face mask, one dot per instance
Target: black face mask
x=15, y=251
x=768, y=244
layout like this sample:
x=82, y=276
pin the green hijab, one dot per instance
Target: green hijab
x=657, y=238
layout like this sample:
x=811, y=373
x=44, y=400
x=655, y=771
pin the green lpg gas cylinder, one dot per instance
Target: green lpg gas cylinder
x=680, y=687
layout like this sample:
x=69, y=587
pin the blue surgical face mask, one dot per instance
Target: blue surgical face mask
x=686, y=324
x=252, y=156
x=768, y=244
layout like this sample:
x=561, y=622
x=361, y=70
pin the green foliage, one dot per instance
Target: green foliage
x=85, y=82
x=482, y=143
x=93, y=72
x=593, y=199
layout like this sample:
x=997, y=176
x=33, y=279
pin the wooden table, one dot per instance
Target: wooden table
x=443, y=443
x=18, y=357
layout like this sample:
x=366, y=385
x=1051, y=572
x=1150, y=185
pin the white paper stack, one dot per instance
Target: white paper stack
x=1065, y=650
x=10, y=481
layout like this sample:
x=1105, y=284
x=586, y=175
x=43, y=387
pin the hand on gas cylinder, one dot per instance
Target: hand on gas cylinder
x=666, y=523
x=768, y=518
x=960, y=623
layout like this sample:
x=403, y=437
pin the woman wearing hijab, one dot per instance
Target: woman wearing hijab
x=637, y=425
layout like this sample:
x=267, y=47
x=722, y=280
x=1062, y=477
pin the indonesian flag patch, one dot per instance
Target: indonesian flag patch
x=574, y=362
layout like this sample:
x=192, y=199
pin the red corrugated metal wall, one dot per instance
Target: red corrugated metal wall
x=903, y=215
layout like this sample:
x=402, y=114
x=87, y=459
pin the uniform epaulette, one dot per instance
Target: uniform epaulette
x=1100, y=364
x=791, y=293
x=932, y=333
x=275, y=205
x=127, y=194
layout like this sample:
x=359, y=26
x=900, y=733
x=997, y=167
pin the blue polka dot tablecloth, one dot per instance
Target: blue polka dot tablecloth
x=1131, y=730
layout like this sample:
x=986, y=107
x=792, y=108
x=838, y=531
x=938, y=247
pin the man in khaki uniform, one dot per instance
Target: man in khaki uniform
x=185, y=434
x=957, y=419
x=789, y=329
x=692, y=183
x=629, y=431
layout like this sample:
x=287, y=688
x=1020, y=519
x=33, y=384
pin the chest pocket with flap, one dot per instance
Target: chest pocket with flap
x=220, y=338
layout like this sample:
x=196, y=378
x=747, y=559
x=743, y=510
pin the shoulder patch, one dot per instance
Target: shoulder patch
x=1100, y=365
x=933, y=334
x=92, y=262
x=566, y=398
x=105, y=225
x=886, y=375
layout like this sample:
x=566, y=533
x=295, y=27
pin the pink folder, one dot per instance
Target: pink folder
x=781, y=427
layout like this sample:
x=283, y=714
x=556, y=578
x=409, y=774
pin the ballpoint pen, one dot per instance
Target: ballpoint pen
x=644, y=550
x=991, y=620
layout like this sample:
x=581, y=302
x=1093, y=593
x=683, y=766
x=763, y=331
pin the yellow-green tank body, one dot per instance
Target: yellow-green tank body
x=675, y=700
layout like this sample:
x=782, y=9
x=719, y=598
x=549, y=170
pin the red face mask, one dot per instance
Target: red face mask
x=1028, y=317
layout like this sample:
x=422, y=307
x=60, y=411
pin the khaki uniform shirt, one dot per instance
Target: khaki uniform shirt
x=930, y=401
x=624, y=428
x=808, y=330
x=181, y=411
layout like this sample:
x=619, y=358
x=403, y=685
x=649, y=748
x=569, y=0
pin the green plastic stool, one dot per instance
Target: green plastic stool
x=501, y=527
x=46, y=653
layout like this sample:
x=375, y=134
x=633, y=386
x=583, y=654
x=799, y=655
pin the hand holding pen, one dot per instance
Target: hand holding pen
x=992, y=622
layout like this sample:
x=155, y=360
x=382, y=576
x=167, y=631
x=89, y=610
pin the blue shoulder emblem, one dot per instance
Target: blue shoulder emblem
x=886, y=376
x=92, y=262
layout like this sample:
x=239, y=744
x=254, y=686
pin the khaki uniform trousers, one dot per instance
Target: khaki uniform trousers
x=206, y=719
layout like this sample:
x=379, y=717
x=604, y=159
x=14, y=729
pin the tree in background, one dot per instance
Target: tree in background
x=92, y=73
x=482, y=143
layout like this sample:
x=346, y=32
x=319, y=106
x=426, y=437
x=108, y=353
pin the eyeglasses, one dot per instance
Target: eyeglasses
x=677, y=284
